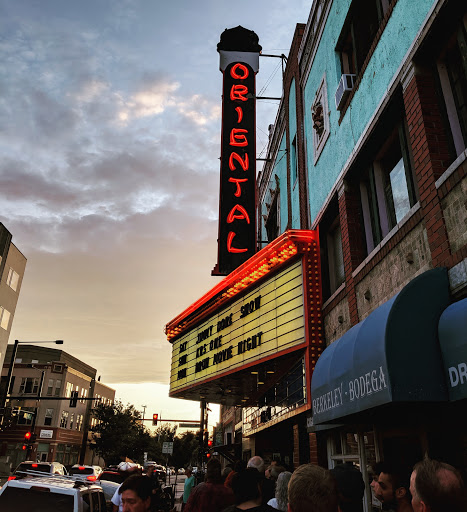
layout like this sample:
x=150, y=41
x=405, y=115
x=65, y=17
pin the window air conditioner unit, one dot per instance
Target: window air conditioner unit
x=346, y=84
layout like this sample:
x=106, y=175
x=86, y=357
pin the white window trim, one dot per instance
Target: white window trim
x=321, y=96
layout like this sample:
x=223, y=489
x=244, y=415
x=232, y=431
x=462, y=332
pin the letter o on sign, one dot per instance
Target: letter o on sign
x=242, y=68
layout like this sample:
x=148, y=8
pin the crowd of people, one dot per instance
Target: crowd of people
x=430, y=486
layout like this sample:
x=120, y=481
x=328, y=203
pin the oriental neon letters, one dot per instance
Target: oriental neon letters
x=237, y=220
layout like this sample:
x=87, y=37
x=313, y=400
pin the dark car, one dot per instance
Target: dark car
x=112, y=475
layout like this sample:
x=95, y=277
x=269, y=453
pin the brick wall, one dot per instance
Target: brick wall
x=409, y=258
x=455, y=215
x=337, y=321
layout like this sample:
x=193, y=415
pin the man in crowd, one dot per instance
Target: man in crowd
x=312, y=488
x=437, y=487
x=268, y=488
x=210, y=495
x=188, y=486
x=136, y=493
x=392, y=489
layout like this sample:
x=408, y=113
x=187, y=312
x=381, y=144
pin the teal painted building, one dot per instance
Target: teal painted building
x=369, y=147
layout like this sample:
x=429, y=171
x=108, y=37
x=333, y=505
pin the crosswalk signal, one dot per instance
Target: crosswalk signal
x=154, y=419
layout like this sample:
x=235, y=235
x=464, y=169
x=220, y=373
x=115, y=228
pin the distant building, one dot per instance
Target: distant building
x=62, y=432
x=12, y=266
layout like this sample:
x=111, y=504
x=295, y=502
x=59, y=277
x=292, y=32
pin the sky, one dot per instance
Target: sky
x=110, y=124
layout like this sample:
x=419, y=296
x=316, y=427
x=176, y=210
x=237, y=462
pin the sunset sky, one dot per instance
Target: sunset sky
x=109, y=171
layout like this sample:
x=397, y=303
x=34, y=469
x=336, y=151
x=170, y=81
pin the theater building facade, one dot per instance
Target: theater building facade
x=367, y=152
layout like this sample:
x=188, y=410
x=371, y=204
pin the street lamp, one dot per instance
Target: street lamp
x=12, y=364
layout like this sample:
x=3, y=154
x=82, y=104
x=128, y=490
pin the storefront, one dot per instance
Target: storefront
x=385, y=390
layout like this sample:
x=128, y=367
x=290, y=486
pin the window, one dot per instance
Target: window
x=293, y=161
x=272, y=221
x=320, y=119
x=452, y=70
x=12, y=279
x=69, y=389
x=64, y=419
x=335, y=256
x=48, y=417
x=58, y=385
x=79, y=421
x=332, y=259
x=72, y=419
x=84, y=394
x=387, y=191
x=29, y=385
x=4, y=318
x=360, y=28
x=50, y=387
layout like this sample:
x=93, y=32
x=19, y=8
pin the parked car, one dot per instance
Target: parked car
x=91, y=473
x=109, y=489
x=161, y=474
x=31, y=467
x=112, y=475
x=55, y=493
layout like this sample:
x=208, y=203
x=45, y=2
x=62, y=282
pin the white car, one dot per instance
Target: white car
x=51, y=493
x=80, y=472
x=36, y=468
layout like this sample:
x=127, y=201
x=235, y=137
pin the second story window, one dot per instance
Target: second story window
x=48, y=417
x=64, y=419
x=4, y=318
x=29, y=385
x=358, y=33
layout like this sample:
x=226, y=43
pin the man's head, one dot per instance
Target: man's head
x=213, y=472
x=436, y=487
x=149, y=470
x=136, y=494
x=312, y=488
x=350, y=486
x=392, y=486
x=256, y=462
x=246, y=486
x=188, y=472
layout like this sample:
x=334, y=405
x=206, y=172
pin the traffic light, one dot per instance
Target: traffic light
x=27, y=440
x=73, y=398
x=154, y=419
x=209, y=444
x=205, y=439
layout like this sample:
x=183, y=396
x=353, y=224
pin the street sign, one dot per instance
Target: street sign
x=189, y=425
x=168, y=447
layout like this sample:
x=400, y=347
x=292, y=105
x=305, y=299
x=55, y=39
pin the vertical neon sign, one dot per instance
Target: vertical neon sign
x=237, y=204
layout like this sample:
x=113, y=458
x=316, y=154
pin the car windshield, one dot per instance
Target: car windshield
x=81, y=471
x=43, y=468
x=35, y=500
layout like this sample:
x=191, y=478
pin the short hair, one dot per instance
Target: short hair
x=256, y=462
x=399, y=475
x=213, y=472
x=246, y=485
x=350, y=486
x=312, y=488
x=141, y=485
x=275, y=471
x=439, y=486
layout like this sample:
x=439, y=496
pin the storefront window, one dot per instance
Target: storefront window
x=357, y=448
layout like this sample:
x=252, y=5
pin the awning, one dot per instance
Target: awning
x=453, y=341
x=391, y=356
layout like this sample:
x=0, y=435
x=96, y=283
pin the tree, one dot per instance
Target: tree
x=186, y=449
x=118, y=433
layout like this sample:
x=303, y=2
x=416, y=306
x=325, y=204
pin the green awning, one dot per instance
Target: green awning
x=391, y=356
x=453, y=341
